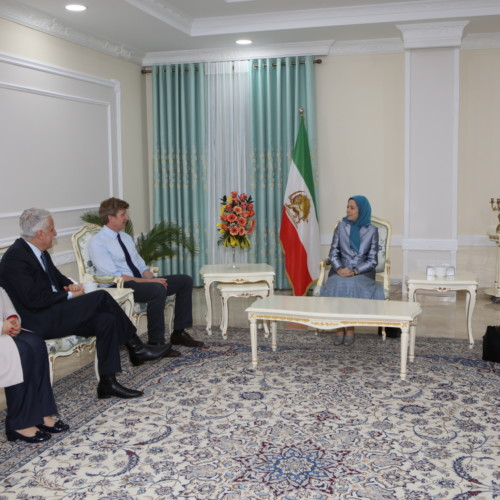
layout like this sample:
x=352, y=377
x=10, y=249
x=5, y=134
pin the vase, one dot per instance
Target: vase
x=234, y=266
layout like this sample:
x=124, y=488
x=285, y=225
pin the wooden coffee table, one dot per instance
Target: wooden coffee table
x=326, y=313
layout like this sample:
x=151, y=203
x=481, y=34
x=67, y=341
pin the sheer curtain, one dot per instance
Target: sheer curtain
x=227, y=116
x=223, y=127
x=279, y=87
x=179, y=159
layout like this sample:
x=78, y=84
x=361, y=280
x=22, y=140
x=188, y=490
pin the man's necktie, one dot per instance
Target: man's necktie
x=130, y=264
x=43, y=257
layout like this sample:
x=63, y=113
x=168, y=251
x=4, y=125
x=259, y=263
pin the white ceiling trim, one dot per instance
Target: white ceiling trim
x=343, y=16
x=321, y=48
x=41, y=22
x=426, y=35
x=165, y=13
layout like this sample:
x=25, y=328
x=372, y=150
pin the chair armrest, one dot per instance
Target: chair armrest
x=323, y=274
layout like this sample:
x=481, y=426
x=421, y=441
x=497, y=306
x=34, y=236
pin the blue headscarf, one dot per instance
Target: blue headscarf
x=364, y=218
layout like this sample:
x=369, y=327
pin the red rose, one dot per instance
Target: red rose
x=238, y=210
x=242, y=221
x=242, y=231
x=233, y=230
x=231, y=217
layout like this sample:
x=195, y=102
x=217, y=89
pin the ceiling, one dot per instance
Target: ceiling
x=147, y=31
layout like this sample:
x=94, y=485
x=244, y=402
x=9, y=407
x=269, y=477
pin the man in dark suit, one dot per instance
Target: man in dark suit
x=53, y=306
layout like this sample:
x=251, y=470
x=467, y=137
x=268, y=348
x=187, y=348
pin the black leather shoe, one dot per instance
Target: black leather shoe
x=171, y=353
x=39, y=437
x=59, y=426
x=182, y=337
x=109, y=387
x=139, y=353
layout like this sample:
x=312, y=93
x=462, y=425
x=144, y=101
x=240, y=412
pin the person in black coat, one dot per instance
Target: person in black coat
x=53, y=306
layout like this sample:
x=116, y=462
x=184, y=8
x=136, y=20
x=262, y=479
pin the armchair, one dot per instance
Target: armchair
x=65, y=346
x=384, y=264
x=87, y=271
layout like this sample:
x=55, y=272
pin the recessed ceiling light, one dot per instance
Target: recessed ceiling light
x=243, y=42
x=75, y=7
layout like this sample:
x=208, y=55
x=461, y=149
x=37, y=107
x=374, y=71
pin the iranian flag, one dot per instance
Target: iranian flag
x=299, y=232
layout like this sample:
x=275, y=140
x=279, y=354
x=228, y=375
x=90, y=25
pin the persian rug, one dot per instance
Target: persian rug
x=314, y=421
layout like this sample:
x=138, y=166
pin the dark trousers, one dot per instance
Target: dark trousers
x=93, y=314
x=155, y=295
x=32, y=399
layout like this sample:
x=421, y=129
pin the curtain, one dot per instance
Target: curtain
x=227, y=116
x=278, y=88
x=179, y=159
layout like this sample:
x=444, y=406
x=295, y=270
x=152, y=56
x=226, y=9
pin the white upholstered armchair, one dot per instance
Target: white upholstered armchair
x=384, y=265
x=87, y=272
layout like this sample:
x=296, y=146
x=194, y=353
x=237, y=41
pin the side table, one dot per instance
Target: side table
x=495, y=292
x=240, y=273
x=461, y=281
x=227, y=290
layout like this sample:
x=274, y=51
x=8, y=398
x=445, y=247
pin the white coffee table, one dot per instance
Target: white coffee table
x=330, y=312
x=463, y=280
x=226, y=273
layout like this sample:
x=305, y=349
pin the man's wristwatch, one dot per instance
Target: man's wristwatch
x=355, y=272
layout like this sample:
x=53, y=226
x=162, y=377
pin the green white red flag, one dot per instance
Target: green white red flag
x=299, y=231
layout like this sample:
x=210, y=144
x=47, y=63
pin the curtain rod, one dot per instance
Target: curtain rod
x=147, y=69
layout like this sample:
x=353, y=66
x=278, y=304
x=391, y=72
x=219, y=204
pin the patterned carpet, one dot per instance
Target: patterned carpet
x=314, y=422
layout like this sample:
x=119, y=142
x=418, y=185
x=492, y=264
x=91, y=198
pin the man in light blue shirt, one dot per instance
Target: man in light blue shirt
x=113, y=252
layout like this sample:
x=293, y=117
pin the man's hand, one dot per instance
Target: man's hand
x=75, y=289
x=147, y=277
x=11, y=326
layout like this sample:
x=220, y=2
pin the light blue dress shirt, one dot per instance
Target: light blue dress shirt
x=107, y=254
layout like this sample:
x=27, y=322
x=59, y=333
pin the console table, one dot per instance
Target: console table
x=240, y=273
x=495, y=292
x=461, y=281
x=328, y=313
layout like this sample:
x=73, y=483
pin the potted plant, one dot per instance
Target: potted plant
x=156, y=244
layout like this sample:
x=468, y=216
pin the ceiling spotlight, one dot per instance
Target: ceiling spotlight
x=75, y=7
x=243, y=42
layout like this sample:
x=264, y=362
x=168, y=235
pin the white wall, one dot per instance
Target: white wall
x=29, y=44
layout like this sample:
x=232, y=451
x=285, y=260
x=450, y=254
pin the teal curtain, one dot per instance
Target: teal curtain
x=179, y=159
x=279, y=87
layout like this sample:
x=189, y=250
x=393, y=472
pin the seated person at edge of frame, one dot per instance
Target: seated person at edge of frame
x=52, y=306
x=24, y=372
x=113, y=252
x=353, y=255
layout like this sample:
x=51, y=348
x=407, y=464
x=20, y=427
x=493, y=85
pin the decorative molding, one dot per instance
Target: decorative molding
x=344, y=16
x=376, y=46
x=427, y=35
x=334, y=16
x=320, y=48
x=53, y=211
x=40, y=21
x=165, y=13
x=430, y=245
x=474, y=240
x=481, y=41
x=56, y=70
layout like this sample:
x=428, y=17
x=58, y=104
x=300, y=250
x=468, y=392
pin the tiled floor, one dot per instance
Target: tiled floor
x=442, y=316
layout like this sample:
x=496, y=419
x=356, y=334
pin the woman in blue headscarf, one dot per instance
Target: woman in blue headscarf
x=353, y=256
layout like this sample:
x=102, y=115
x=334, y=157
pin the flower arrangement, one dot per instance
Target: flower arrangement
x=236, y=222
